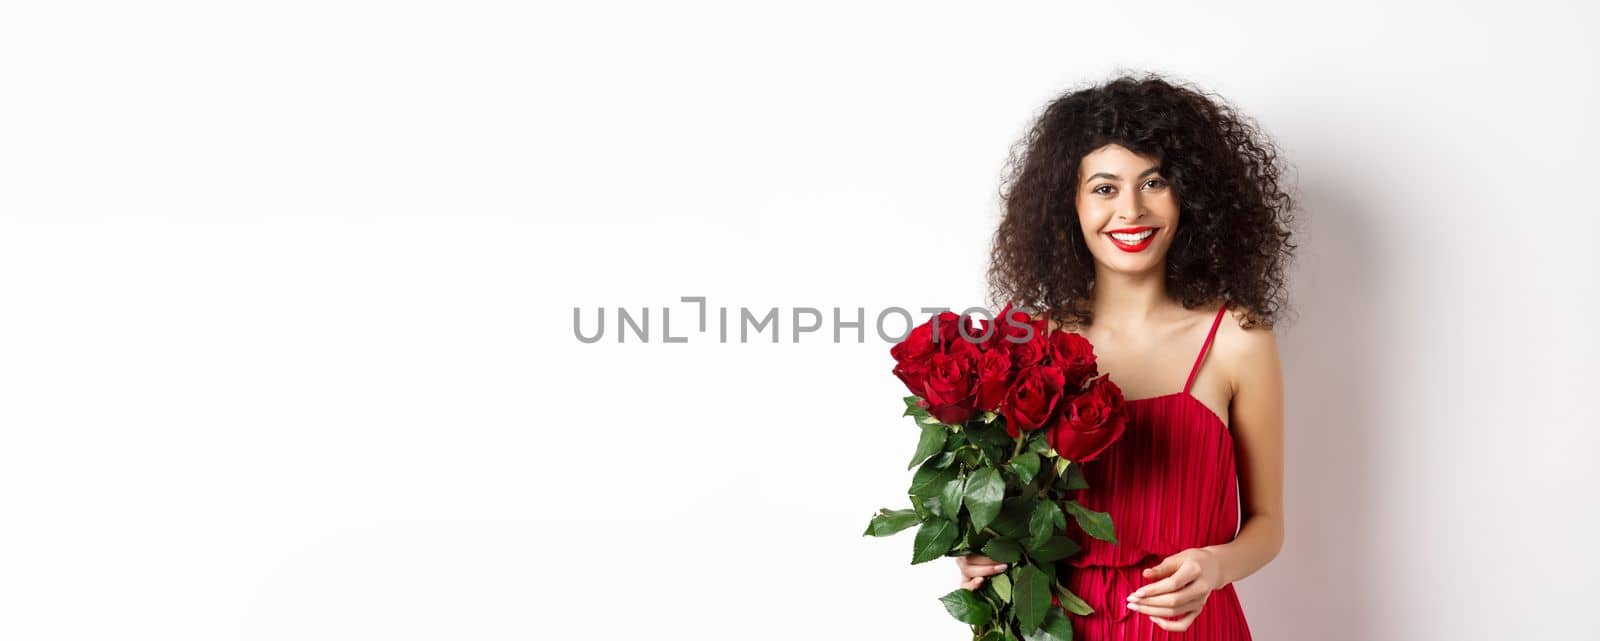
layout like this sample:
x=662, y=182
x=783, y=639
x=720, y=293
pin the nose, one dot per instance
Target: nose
x=1133, y=209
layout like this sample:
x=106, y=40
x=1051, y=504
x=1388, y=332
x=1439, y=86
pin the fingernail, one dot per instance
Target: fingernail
x=1002, y=566
x=1133, y=606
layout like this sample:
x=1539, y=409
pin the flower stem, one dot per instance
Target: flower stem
x=1045, y=487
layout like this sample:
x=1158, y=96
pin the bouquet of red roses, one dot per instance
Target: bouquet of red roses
x=1008, y=411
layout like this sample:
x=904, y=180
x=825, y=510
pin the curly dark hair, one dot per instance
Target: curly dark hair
x=1233, y=243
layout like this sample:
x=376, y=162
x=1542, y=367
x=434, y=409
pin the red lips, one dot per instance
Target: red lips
x=1132, y=247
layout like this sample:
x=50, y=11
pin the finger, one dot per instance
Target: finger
x=973, y=570
x=1176, y=625
x=1159, y=570
x=1181, y=577
x=1163, y=611
x=1186, y=596
x=973, y=583
x=1164, y=586
x=979, y=559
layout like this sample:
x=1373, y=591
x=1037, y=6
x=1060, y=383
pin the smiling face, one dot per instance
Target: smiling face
x=1126, y=208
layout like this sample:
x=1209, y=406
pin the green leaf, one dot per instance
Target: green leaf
x=993, y=441
x=968, y=456
x=1049, y=570
x=1001, y=585
x=932, y=441
x=1053, y=549
x=1074, y=477
x=991, y=433
x=1055, y=627
x=966, y=607
x=933, y=539
x=1014, y=513
x=1038, y=442
x=930, y=478
x=1042, y=523
x=918, y=503
x=950, y=496
x=943, y=460
x=1031, y=596
x=976, y=539
x=988, y=417
x=1026, y=465
x=984, y=491
x=1071, y=602
x=1003, y=550
x=1096, y=524
x=888, y=522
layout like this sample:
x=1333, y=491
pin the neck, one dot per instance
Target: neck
x=1129, y=302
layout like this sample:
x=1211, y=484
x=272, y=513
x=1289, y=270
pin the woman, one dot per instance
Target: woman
x=1141, y=213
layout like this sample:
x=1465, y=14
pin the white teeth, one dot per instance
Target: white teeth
x=1134, y=238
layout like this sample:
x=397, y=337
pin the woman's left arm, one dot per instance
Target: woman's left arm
x=1183, y=581
x=1256, y=422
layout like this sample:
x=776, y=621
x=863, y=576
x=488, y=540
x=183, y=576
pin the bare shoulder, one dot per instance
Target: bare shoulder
x=1250, y=355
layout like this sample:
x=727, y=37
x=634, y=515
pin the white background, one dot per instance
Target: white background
x=287, y=292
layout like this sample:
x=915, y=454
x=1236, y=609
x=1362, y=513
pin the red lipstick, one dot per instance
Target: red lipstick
x=1132, y=247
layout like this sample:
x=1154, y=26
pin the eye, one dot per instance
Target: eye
x=1159, y=183
x=1097, y=189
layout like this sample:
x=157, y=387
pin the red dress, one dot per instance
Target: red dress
x=1169, y=484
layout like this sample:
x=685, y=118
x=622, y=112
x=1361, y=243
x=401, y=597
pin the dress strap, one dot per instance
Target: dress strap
x=1206, y=347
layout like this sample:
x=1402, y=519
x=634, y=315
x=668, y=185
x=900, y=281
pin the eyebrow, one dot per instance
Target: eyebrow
x=1151, y=170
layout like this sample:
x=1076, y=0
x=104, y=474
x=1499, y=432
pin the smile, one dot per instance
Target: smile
x=1132, y=242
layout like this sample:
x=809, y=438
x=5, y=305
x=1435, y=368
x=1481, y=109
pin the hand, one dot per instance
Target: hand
x=975, y=568
x=1186, y=580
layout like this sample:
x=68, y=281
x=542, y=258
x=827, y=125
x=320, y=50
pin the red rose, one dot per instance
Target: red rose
x=912, y=374
x=911, y=357
x=1089, y=422
x=1035, y=351
x=1074, y=354
x=951, y=383
x=994, y=379
x=948, y=330
x=1032, y=399
x=1008, y=327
